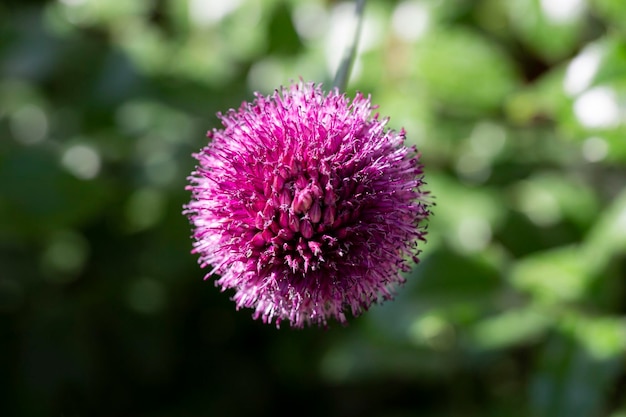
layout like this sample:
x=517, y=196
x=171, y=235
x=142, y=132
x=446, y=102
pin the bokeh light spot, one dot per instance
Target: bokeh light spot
x=473, y=234
x=144, y=209
x=82, y=161
x=65, y=256
x=595, y=149
x=29, y=125
x=339, y=37
x=562, y=11
x=581, y=71
x=541, y=206
x=134, y=117
x=73, y=2
x=208, y=12
x=337, y=365
x=310, y=20
x=265, y=73
x=473, y=168
x=410, y=20
x=146, y=296
x=432, y=330
x=161, y=168
x=487, y=139
x=598, y=108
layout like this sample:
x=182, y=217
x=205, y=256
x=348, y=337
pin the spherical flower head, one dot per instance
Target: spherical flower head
x=307, y=206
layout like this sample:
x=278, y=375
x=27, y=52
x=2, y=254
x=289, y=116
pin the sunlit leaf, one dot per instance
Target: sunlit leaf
x=513, y=327
x=461, y=69
x=553, y=276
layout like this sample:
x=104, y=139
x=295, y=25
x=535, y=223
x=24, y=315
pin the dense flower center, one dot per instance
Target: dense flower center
x=298, y=223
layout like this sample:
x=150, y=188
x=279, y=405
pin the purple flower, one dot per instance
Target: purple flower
x=307, y=206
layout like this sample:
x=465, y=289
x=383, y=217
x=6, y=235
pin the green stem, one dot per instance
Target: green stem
x=343, y=72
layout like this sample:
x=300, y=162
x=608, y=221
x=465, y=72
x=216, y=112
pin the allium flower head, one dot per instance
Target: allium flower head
x=307, y=206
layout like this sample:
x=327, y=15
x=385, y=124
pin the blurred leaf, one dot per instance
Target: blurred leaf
x=283, y=38
x=465, y=216
x=547, y=197
x=596, y=88
x=38, y=196
x=612, y=65
x=607, y=237
x=553, y=276
x=104, y=12
x=551, y=28
x=543, y=99
x=464, y=71
x=445, y=275
x=512, y=327
x=32, y=53
x=596, y=113
x=244, y=43
x=572, y=380
x=351, y=361
x=612, y=11
x=604, y=338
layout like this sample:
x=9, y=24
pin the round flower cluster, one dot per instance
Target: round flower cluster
x=307, y=206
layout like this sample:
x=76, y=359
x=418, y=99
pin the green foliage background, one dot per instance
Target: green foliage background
x=518, y=307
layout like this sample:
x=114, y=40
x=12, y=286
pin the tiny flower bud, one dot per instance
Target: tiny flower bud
x=279, y=181
x=329, y=215
x=315, y=213
x=306, y=228
x=294, y=222
x=302, y=202
x=259, y=221
x=285, y=199
x=258, y=240
x=283, y=219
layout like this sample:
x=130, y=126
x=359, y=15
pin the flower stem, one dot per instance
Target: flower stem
x=343, y=72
